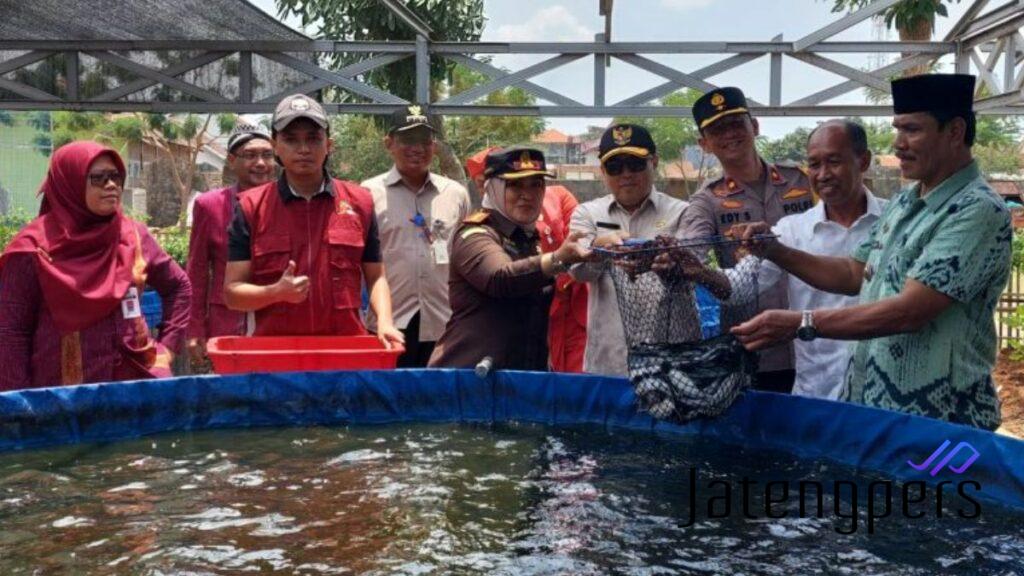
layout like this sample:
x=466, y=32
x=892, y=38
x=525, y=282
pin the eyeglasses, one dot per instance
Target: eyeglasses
x=101, y=178
x=616, y=165
x=267, y=157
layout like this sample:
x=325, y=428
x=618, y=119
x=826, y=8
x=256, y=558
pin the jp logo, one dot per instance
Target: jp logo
x=947, y=458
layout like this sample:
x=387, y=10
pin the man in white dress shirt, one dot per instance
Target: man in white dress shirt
x=837, y=157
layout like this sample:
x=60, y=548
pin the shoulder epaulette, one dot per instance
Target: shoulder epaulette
x=471, y=230
x=478, y=217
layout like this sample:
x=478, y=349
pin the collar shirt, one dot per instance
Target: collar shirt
x=957, y=241
x=659, y=214
x=289, y=195
x=821, y=363
x=416, y=255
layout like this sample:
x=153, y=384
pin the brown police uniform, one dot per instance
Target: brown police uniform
x=723, y=202
x=499, y=296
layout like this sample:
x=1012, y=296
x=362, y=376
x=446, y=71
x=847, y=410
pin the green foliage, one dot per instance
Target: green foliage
x=790, y=148
x=358, y=148
x=10, y=224
x=671, y=135
x=997, y=158
x=6, y=119
x=905, y=14
x=469, y=134
x=1016, y=319
x=370, y=20
x=174, y=241
x=997, y=130
x=70, y=126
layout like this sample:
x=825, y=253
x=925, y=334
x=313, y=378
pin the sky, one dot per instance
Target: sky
x=675, y=21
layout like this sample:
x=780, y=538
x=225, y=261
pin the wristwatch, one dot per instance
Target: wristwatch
x=806, y=331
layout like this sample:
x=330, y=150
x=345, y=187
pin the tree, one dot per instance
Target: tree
x=790, y=148
x=469, y=134
x=179, y=138
x=671, y=135
x=370, y=20
x=6, y=119
x=998, y=158
x=358, y=148
x=914, y=20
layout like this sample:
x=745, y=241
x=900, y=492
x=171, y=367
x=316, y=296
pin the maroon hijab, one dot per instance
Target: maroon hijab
x=84, y=261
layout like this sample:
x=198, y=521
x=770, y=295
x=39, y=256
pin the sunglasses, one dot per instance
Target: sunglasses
x=616, y=165
x=101, y=178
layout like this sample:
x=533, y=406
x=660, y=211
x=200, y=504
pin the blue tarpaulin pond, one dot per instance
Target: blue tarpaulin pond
x=878, y=443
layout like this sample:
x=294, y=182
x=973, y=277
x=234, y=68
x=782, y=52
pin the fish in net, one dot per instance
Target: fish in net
x=676, y=314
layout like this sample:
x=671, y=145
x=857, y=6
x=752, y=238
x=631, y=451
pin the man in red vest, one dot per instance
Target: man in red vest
x=299, y=248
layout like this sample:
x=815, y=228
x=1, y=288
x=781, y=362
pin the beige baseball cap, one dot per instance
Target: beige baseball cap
x=298, y=106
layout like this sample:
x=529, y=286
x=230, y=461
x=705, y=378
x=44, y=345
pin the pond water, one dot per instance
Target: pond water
x=469, y=499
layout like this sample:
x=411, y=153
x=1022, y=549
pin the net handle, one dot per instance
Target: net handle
x=693, y=243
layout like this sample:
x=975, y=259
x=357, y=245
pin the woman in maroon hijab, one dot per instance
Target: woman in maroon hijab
x=72, y=280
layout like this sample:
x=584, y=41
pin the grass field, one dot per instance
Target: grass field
x=22, y=167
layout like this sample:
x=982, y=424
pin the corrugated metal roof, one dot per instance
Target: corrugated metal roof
x=139, y=20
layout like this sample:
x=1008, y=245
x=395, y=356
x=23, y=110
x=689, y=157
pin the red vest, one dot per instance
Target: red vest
x=567, y=323
x=325, y=238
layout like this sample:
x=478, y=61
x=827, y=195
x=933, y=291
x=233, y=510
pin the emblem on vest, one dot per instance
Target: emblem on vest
x=344, y=208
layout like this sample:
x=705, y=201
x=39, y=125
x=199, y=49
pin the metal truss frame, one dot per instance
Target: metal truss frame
x=987, y=41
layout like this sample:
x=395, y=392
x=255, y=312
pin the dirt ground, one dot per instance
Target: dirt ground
x=1009, y=377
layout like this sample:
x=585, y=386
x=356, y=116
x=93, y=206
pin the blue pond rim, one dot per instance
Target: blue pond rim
x=868, y=439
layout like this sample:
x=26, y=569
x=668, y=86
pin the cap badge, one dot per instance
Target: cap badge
x=525, y=162
x=415, y=115
x=718, y=101
x=299, y=105
x=622, y=135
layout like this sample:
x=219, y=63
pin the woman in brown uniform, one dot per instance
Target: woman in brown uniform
x=500, y=286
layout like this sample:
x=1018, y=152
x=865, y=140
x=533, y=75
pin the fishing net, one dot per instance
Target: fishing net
x=676, y=314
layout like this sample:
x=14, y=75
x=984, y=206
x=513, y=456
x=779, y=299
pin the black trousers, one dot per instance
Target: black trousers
x=417, y=353
x=780, y=381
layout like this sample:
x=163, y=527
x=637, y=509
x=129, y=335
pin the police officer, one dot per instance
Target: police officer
x=500, y=285
x=749, y=190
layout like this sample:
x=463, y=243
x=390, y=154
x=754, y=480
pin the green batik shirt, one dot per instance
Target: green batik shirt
x=956, y=241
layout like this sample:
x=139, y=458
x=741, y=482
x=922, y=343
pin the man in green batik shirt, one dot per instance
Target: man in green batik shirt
x=929, y=275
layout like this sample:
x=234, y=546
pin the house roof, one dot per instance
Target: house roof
x=552, y=136
x=139, y=20
x=888, y=161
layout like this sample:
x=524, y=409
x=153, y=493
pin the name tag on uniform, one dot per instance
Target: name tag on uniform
x=130, y=306
x=440, y=249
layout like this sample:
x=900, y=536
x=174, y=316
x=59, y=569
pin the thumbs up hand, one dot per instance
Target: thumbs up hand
x=291, y=288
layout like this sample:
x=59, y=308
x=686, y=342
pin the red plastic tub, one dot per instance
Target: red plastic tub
x=239, y=354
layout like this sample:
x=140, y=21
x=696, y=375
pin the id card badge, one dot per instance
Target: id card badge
x=130, y=306
x=440, y=249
